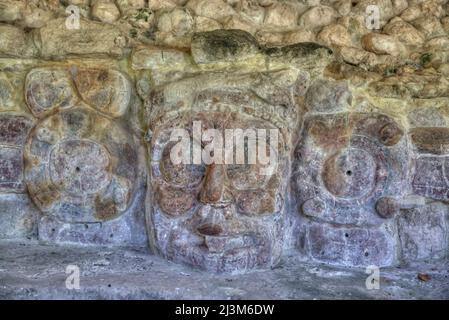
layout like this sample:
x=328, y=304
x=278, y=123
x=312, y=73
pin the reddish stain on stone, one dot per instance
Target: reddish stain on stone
x=14, y=129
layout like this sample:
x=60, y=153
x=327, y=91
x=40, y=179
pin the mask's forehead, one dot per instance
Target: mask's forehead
x=227, y=124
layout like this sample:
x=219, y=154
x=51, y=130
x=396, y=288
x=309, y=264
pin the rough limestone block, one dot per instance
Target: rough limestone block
x=14, y=129
x=11, y=170
x=56, y=40
x=13, y=132
x=328, y=96
x=223, y=45
x=423, y=233
x=154, y=58
x=6, y=93
x=15, y=43
x=430, y=140
x=348, y=246
x=431, y=146
x=127, y=230
x=18, y=217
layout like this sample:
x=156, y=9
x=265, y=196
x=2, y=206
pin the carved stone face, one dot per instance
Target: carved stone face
x=350, y=172
x=218, y=216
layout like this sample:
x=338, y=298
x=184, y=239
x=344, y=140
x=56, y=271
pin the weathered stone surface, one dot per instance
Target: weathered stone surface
x=11, y=10
x=14, y=42
x=35, y=17
x=106, y=274
x=426, y=117
x=236, y=22
x=6, y=93
x=357, y=56
x=423, y=233
x=404, y=32
x=335, y=35
x=328, y=96
x=105, y=11
x=14, y=129
x=431, y=140
x=285, y=38
x=203, y=24
x=348, y=245
x=13, y=133
x=178, y=22
x=251, y=11
x=47, y=90
x=108, y=91
x=317, y=17
x=225, y=229
x=308, y=56
x=281, y=14
x=92, y=38
x=11, y=170
x=153, y=58
x=18, y=217
x=214, y=9
x=411, y=85
x=430, y=177
x=382, y=44
x=411, y=13
x=223, y=45
x=81, y=166
x=399, y=6
x=126, y=231
x=430, y=26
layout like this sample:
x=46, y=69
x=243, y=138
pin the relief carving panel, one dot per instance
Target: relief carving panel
x=350, y=173
x=224, y=216
x=87, y=148
x=82, y=163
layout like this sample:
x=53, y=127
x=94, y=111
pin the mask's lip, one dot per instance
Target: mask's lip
x=222, y=242
x=210, y=229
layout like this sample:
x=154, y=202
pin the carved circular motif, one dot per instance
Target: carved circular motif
x=81, y=166
x=108, y=91
x=349, y=173
x=47, y=89
x=346, y=164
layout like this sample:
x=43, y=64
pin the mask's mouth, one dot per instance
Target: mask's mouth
x=209, y=229
x=216, y=240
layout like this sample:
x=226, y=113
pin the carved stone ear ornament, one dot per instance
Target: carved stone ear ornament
x=81, y=163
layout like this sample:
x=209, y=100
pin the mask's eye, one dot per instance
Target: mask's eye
x=245, y=176
x=183, y=174
x=250, y=174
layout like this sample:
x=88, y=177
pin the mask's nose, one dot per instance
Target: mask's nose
x=214, y=190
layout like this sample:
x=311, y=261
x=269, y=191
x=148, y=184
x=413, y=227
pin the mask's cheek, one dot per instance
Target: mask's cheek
x=255, y=203
x=175, y=202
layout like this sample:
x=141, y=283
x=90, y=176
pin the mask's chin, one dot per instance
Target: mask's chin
x=227, y=253
x=219, y=245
